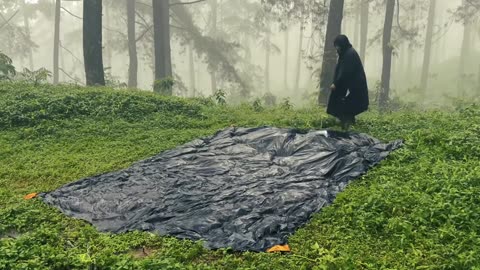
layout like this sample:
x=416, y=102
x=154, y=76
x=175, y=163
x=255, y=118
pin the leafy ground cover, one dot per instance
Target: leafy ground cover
x=418, y=209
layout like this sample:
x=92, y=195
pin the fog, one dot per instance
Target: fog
x=444, y=74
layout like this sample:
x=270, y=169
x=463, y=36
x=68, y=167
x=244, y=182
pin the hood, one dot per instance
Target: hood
x=342, y=42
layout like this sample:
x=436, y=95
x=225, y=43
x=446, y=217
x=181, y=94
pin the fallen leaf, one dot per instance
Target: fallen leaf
x=279, y=248
x=30, y=196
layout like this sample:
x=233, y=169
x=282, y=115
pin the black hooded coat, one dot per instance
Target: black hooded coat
x=350, y=97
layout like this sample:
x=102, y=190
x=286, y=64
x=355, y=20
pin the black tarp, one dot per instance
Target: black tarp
x=244, y=188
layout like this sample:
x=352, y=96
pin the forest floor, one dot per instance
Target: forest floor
x=419, y=209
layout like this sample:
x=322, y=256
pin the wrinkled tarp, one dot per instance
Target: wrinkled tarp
x=244, y=188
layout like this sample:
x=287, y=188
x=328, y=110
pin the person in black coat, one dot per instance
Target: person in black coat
x=349, y=91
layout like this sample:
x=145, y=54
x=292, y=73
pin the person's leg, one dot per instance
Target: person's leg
x=346, y=121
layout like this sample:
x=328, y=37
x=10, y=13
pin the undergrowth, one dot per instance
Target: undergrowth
x=418, y=209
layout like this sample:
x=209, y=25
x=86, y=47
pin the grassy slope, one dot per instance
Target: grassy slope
x=420, y=208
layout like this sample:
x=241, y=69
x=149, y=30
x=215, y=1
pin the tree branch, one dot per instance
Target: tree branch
x=71, y=53
x=398, y=20
x=174, y=4
x=147, y=29
x=113, y=30
x=76, y=16
x=69, y=76
x=187, y=3
x=474, y=4
x=7, y=22
x=104, y=27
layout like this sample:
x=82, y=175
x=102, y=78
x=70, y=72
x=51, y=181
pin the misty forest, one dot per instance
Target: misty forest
x=89, y=87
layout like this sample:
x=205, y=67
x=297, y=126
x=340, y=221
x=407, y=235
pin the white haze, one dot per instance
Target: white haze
x=444, y=50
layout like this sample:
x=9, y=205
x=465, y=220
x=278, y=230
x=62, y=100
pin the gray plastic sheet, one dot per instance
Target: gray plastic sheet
x=243, y=188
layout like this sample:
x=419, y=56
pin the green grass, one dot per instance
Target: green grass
x=419, y=209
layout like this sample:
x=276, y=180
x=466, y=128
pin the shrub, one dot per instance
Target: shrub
x=7, y=70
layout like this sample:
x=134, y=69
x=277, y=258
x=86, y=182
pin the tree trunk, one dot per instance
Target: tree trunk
x=191, y=70
x=285, y=68
x=248, y=50
x=401, y=62
x=92, y=42
x=464, y=54
x=444, y=49
x=132, y=45
x=411, y=49
x=436, y=54
x=27, y=34
x=364, y=29
x=478, y=82
x=213, y=33
x=213, y=81
x=62, y=63
x=387, y=55
x=267, y=62
x=108, y=39
x=394, y=72
x=56, y=41
x=357, y=28
x=163, y=58
x=299, y=59
x=428, y=48
x=334, y=26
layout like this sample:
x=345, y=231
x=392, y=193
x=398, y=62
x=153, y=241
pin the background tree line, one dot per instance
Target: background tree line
x=227, y=39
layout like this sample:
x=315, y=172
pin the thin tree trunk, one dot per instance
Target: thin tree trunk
x=364, y=28
x=285, y=68
x=428, y=48
x=394, y=72
x=56, y=41
x=334, y=26
x=248, y=51
x=153, y=59
x=464, y=54
x=411, y=50
x=387, y=55
x=27, y=33
x=191, y=70
x=92, y=42
x=213, y=81
x=267, y=62
x=478, y=82
x=299, y=58
x=163, y=58
x=401, y=61
x=198, y=80
x=437, y=44
x=213, y=33
x=132, y=45
x=443, y=49
x=473, y=41
x=62, y=62
x=357, y=28
x=108, y=39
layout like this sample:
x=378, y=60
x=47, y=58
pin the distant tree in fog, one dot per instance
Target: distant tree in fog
x=132, y=45
x=56, y=41
x=428, y=47
x=387, y=54
x=92, y=42
x=334, y=25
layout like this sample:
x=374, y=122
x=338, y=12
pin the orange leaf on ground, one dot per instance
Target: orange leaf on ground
x=30, y=196
x=279, y=248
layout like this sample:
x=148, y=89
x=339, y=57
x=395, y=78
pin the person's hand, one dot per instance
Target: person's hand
x=333, y=87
